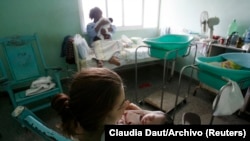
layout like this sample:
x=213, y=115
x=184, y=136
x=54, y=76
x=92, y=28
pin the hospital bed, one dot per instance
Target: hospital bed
x=227, y=74
x=84, y=54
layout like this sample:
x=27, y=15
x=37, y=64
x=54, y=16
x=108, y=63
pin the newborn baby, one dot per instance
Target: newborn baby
x=144, y=117
x=105, y=28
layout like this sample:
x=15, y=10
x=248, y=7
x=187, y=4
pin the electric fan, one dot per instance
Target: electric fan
x=207, y=22
x=203, y=22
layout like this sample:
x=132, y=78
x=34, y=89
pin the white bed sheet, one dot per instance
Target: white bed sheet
x=126, y=57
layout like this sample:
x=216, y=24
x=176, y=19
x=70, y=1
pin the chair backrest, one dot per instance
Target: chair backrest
x=26, y=64
x=29, y=120
x=23, y=54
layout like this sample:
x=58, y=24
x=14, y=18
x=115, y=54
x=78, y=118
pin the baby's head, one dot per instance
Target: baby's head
x=153, y=118
x=110, y=20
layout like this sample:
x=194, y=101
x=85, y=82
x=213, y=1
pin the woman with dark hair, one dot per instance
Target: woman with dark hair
x=96, y=97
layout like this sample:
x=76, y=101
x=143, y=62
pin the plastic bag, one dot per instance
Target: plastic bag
x=230, y=100
x=82, y=46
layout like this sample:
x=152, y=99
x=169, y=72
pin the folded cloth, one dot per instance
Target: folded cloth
x=41, y=80
x=40, y=85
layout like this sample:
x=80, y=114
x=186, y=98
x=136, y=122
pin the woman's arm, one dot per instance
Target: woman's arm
x=91, y=31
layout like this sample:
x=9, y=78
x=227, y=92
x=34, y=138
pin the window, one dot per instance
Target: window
x=127, y=14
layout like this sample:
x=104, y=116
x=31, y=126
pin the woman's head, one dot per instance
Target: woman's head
x=95, y=13
x=96, y=97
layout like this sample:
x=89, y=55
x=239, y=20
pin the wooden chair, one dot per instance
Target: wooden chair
x=29, y=120
x=32, y=82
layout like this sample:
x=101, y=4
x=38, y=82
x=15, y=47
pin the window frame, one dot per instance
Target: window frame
x=123, y=27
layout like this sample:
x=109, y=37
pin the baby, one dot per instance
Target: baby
x=104, y=32
x=144, y=117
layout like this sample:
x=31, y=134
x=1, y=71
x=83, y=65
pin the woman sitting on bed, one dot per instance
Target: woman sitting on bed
x=104, y=48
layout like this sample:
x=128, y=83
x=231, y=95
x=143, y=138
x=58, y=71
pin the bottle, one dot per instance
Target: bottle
x=234, y=38
x=239, y=42
x=232, y=27
x=247, y=36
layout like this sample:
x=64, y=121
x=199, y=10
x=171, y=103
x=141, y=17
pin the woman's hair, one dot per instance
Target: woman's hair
x=96, y=11
x=92, y=95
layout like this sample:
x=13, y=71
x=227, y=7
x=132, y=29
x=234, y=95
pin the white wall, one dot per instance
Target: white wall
x=186, y=13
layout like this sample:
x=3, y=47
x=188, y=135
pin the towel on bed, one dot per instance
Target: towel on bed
x=105, y=49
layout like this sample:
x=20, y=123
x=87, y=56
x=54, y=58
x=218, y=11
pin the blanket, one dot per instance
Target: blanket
x=105, y=49
x=142, y=117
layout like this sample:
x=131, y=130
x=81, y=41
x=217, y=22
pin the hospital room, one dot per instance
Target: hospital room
x=186, y=59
